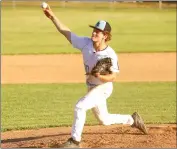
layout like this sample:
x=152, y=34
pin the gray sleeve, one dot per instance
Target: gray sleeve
x=78, y=42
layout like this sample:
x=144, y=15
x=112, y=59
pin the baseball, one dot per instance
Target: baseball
x=44, y=5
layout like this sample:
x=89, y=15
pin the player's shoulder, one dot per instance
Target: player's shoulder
x=75, y=36
x=110, y=49
x=88, y=43
x=88, y=40
x=111, y=52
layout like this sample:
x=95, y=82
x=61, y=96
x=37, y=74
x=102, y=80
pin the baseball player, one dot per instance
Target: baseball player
x=99, y=86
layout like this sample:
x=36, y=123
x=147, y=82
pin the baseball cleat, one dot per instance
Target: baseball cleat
x=71, y=144
x=138, y=123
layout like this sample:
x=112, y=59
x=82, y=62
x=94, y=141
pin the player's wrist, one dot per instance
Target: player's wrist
x=97, y=75
x=52, y=17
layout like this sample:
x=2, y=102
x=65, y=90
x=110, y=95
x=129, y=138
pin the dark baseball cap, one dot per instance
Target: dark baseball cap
x=102, y=25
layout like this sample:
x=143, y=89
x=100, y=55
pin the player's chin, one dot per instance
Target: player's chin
x=94, y=39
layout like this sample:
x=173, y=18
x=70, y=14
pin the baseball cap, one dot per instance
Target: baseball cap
x=102, y=25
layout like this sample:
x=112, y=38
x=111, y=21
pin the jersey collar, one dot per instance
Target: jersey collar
x=99, y=51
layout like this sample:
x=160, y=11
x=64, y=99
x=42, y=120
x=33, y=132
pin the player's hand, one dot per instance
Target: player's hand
x=48, y=12
x=97, y=75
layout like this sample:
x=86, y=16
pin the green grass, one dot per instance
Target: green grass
x=25, y=30
x=47, y=105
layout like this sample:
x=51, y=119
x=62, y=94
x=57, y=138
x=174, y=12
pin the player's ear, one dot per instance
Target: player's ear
x=105, y=36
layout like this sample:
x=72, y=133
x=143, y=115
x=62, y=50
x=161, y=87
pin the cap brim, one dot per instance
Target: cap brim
x=91, y=26
x=95, y=27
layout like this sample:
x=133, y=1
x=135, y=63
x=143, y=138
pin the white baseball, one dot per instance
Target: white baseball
x=44, y=5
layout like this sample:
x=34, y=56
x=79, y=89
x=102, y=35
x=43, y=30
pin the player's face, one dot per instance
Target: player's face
x=97, y=35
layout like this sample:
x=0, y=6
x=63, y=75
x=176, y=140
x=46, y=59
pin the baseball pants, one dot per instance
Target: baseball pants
x=96, y=99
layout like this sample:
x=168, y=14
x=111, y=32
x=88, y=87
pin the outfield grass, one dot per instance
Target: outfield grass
x=25, y=30
x=47, y=105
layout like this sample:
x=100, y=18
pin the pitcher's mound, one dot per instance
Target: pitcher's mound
x=114, y=136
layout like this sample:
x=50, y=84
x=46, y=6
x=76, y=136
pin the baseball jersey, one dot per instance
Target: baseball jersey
x=90, y=57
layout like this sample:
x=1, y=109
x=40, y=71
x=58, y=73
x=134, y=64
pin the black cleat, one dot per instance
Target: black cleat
x=138, y=123
x=71, y=144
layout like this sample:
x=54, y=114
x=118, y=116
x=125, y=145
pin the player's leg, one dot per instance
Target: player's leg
x=85, y=103
x=104, y=117
x=90, y=100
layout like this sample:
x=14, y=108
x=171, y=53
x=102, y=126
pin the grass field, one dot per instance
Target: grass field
x=25, y=30
x=48, y=105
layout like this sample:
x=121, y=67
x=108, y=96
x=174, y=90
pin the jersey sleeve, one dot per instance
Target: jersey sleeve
x=115, y=64
x=79, y=42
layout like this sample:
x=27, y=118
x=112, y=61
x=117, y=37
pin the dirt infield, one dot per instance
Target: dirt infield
x=115, y=136
x=69, y=68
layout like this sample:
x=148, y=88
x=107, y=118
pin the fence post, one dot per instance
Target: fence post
x=13, y=4
x=160, y=4
x=63, y=3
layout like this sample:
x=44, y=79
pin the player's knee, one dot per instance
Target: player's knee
x=80, y=106
x=103, y=121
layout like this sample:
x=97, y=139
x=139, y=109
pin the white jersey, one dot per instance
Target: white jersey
x=90, y=57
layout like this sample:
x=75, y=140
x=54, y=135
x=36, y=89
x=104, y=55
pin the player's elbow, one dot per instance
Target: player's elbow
x=67, y=34
x=114, y=75
x=114, y=78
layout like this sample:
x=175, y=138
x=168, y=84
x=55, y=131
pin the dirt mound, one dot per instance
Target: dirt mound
x=114, y=136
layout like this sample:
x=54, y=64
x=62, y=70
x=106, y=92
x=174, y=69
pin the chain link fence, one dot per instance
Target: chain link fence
x=94, y=3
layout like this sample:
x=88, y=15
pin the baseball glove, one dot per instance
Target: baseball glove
x=102, y=67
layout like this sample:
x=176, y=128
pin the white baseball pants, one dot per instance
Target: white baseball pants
x=95, y=99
